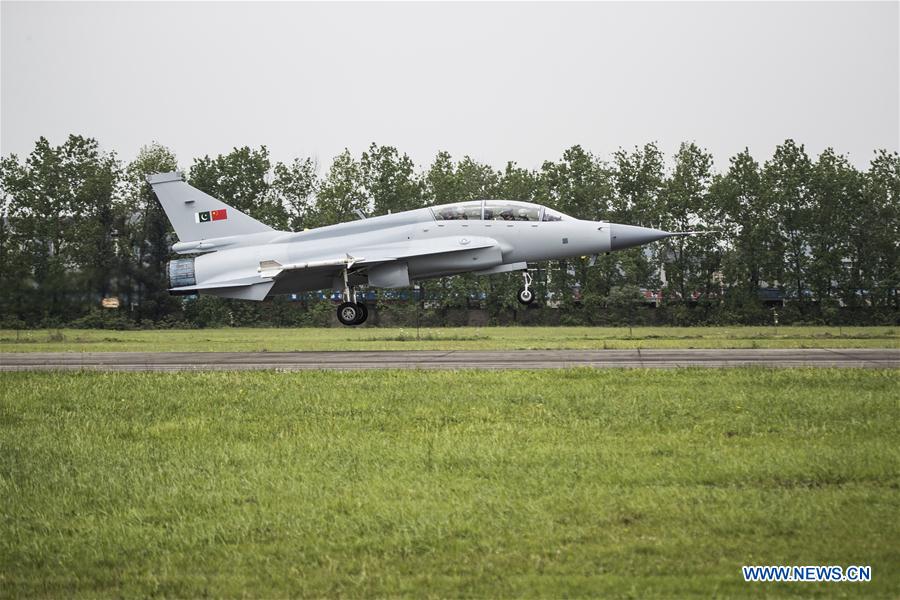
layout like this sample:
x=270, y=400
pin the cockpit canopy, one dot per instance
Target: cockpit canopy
x=496, y=210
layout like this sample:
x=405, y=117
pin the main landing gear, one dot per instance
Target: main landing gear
x=525, y=295
x=351, y=312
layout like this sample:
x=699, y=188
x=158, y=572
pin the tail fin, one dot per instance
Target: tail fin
x=196, y=215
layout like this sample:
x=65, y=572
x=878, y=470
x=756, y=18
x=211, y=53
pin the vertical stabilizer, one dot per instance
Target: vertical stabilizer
x=196, y=215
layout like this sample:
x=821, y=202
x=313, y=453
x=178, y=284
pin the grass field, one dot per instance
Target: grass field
x=462, y=338
x=479, y=484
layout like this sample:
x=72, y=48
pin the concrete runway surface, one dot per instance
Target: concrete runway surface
x=455, y=359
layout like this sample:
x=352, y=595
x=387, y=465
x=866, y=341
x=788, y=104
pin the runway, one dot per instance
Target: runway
x=456, y=359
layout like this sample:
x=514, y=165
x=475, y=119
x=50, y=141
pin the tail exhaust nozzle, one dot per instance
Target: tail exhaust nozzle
x=181, y=273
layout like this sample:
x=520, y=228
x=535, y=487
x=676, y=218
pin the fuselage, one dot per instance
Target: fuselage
x=539, y=235
x=482, y=237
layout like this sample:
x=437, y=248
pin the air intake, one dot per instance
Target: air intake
x=181, y=272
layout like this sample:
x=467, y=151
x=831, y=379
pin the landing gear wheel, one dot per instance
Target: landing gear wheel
x=363, y=313
x=348, y=313
x=525, y=296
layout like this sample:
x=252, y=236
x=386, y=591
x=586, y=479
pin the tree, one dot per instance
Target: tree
x=639, y=178
x=62, y=205
x=834, y=186
x=294, y=187
x=750, y=232
x=624, y=302
x=441, y=182
x=341, y=193
x=75, y=226
x=14, y=264
x=477, y=181
x=517, y=183
x=786, y=185
x=239, y=179
x=578, y=185
x=390, y=180
x=687, y=206
x=38, y=207
x=875, y=253
x=149, y=235
x=98, y=214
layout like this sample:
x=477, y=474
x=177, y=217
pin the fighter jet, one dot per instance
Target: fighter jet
x=236, y=256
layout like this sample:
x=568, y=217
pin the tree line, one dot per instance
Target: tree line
x=814, y=237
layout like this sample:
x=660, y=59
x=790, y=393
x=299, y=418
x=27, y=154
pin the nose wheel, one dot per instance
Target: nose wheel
x=525, y=296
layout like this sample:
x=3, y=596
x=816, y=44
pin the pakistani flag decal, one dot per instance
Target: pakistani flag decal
x=211, y=215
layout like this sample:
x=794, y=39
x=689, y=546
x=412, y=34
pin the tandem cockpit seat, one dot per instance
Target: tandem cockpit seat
x=495, y=210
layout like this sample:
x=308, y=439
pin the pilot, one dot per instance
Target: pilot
x=523, y=215
x=507, y=214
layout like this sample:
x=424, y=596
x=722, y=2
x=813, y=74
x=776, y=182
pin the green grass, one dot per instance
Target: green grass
x=481, y=484
x=462, y=338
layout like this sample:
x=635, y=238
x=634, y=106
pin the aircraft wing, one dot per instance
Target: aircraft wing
x=410, y=248
x=365, y=256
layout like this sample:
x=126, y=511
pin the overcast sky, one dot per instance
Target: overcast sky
x=499, y=82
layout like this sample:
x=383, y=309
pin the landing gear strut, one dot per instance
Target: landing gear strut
x=351, y=312
x=525, y=295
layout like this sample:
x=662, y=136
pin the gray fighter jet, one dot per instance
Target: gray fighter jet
x=236, y=256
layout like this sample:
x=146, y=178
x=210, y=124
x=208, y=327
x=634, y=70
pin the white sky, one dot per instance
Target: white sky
x=499, y=82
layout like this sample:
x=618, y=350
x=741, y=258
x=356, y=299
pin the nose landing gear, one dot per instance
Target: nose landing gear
x=525, y=295
x=351, y=312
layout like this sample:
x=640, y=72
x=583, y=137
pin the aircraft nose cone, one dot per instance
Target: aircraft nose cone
x=628, y=236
